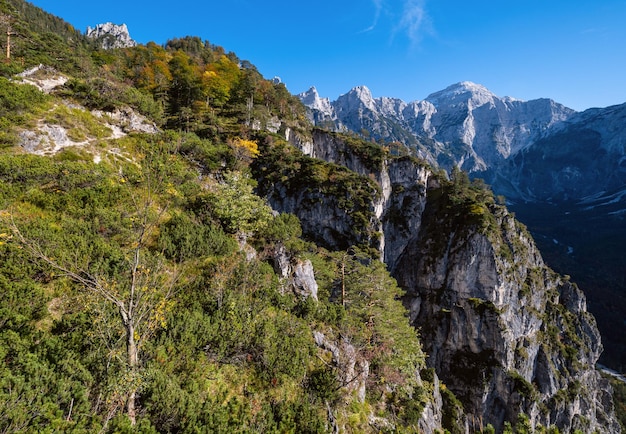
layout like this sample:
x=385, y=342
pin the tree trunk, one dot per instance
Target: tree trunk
x=133, y=361
x=8, y=45
x=343, y=283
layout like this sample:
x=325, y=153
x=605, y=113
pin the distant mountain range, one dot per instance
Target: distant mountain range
x=464, y=125
x=530, y=150
x=563, y=172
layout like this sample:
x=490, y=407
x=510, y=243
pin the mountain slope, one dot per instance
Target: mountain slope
x=559, y=165
x=145, y=287
x=569, y=188
x=500, y=328
x=506, y=334
x=156, y=289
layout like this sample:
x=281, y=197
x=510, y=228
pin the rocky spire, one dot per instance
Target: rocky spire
x=111, y=36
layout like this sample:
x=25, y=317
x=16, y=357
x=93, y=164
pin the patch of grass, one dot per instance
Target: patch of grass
x=482, y=306
x=80, y=124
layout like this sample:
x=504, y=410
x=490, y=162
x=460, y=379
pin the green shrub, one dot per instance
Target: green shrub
x=181, y=238
x=322, y=383
x=236, y=206
x=452, y=411
x=18, y=100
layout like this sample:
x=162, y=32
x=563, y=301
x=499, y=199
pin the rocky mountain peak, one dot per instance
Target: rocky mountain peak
x=473, y=94
x=310, y=96
x=359, y=96
x=312, y=99
x=362, y=92
x=111, y=35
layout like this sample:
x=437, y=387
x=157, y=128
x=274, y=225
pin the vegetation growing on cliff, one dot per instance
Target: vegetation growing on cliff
x=281, y=166
x=619, y=394
x=215, y=342
x=141, y=292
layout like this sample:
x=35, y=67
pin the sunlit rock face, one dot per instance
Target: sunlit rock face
x=464, y=125
x=502, y=331
x=111, y=36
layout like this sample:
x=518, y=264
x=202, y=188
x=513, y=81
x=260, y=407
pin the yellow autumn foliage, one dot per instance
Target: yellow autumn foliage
x=248, y=147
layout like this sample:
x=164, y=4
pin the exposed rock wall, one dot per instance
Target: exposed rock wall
x=322, y=216
x=402, y=184
x=504, y=332
x=296, y=274
x=111, y=36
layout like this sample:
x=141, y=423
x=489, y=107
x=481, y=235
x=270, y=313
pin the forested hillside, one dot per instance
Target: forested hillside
x=154, y=288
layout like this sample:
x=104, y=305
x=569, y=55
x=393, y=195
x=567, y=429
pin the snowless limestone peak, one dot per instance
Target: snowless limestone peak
x=111, y=36
x=358, y=96
x=465, y=91
x=310, y=96
x=312, y=99
x=362, y=93
x=467, y=86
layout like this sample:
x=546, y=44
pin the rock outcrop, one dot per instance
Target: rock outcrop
x=296, y=274
x=111, y=36
x=47, y=137
x=505, y=333
x=43, y=77
x=353, y=369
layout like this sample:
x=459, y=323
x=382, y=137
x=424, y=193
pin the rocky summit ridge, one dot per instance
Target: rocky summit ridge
x=111, y=35
x=464, y=125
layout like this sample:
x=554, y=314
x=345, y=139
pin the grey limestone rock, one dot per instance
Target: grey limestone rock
x=296, y=274
x=504, y=332
x=111, y=35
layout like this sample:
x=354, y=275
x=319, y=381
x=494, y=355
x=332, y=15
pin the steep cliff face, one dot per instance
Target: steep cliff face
x=337, y=207
x=505, y=333
x=402, y=184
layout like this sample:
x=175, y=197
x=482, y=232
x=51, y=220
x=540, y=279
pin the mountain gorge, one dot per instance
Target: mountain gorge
x=477, y=289
x=559, y=170
x=181, y=250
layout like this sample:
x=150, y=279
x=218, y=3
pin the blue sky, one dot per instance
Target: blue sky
x=573, y=51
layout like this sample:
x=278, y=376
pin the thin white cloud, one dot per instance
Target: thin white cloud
x=409, y=18
x=378, y=8
x=414, y=22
